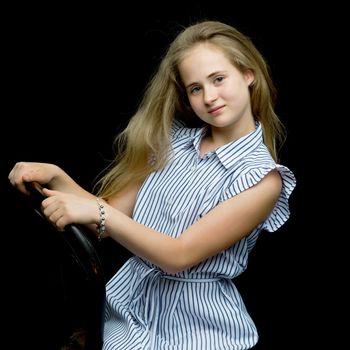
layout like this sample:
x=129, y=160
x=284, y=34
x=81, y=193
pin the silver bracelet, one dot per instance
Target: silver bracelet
x=101, y=227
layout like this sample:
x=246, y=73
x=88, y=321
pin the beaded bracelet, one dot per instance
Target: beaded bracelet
x=101, y=227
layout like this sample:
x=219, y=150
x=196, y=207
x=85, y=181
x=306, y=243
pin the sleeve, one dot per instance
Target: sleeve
x=249, y=178
x=176, y=126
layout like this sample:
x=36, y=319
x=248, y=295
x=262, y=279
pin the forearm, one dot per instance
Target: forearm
x=47, y=175
x=154, y=246
x=62, y=182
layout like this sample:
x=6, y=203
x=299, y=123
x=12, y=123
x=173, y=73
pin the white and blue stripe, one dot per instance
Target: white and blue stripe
x=199, y=308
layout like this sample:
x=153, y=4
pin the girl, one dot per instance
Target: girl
x=195, y=182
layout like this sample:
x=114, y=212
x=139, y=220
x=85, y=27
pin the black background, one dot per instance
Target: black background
x=73, y=76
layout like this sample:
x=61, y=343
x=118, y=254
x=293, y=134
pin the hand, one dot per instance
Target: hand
x=62, y=209
x=22, y=172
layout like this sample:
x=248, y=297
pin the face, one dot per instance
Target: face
x=217, y=91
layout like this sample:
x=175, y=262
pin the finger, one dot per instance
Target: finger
x=49, y=206
x=54, y=216
x=61, y=223
x=21, y=186
x=19, y=176
x=49, y=193
x=16, y=180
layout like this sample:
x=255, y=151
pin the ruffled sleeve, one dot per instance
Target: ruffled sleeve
x=252, y=176
x=280, y=212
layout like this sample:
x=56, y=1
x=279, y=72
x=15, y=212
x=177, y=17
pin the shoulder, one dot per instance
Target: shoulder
x=180, y=133
x=257, y=166
x=271, y=183
x=179, y=129
x=268, y=177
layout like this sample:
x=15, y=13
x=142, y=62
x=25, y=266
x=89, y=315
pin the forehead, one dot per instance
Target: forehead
x=202, y=60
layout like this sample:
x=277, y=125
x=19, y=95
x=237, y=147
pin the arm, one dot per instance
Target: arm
x=53, y=177
x=49, y=175
x=223, y=226
x=126, y=199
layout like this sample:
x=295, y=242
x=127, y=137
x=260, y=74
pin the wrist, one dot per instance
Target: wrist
x=101, y=225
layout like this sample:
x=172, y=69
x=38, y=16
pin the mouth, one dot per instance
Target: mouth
x=216, y=110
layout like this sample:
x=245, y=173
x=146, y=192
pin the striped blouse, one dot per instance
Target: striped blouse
x=199, y=308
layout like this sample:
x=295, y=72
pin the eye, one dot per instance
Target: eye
x=219, y=79
x=195, y=90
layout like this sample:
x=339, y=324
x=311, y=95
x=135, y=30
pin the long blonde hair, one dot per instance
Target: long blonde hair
x=144, y=144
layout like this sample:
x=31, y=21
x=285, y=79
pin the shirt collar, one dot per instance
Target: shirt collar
x=232, y=152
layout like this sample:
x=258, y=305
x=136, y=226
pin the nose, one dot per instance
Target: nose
x=209, y=94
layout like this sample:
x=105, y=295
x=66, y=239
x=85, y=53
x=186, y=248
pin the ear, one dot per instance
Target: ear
x=249, y=77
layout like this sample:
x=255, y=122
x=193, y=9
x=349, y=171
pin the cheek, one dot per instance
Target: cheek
x=197, y=107
x=232, y=88
x=194, y=102
x=235, y=92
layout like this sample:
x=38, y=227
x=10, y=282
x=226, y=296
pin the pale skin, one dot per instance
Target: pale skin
x=219, y=95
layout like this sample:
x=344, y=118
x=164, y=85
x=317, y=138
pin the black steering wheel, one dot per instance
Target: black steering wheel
x=86, y=330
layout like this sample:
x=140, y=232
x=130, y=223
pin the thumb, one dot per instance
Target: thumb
x=48, y=192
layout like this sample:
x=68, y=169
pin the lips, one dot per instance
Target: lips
x=216, y=110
